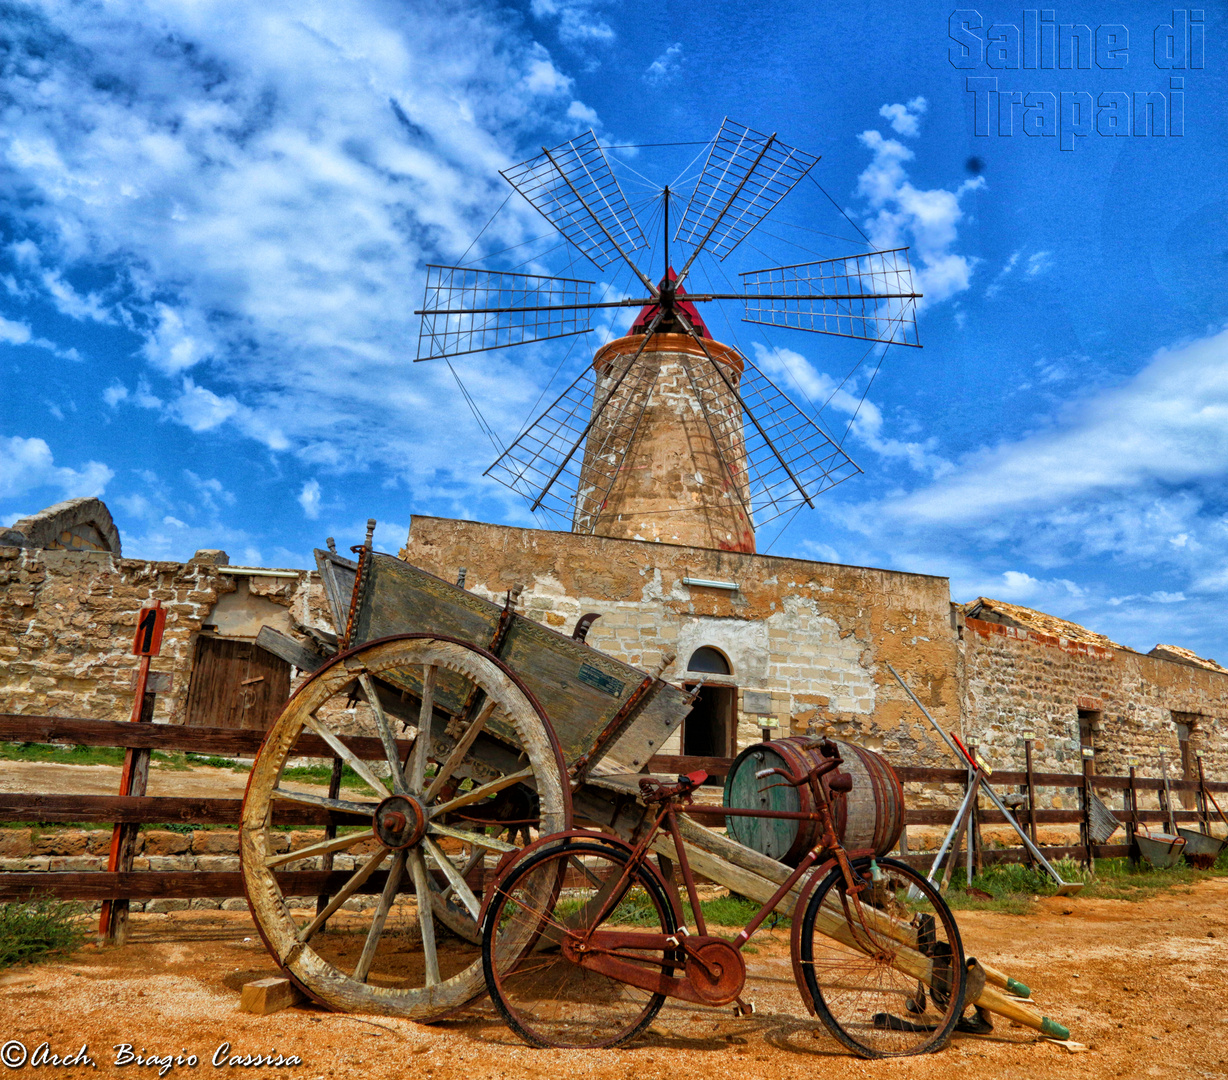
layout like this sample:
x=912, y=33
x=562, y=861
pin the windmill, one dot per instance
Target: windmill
x=669, y=429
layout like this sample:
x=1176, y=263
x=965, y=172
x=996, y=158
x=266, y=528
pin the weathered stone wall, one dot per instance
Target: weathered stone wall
x=816, y=637
x=1018, y=680
x=67, y=620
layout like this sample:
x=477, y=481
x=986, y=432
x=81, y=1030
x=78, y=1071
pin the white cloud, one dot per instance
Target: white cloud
x=1168, y=425
x=904, y=215
x=114, y=394
x=28, y=464
x=905, y=119
x=253, y=189
x=309, y=499
x=788, y=368
x=15, y=333
x=1038, y=263
x=579, y=23
x=665, y=66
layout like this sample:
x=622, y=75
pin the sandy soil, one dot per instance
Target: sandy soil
x=1142, y=984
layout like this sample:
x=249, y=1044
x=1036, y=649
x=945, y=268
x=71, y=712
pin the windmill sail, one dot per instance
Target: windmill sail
x=565, y=462
x=789, y=459
x=870, y=297
x=466, y=310
x=747, y=173
x=573, y=188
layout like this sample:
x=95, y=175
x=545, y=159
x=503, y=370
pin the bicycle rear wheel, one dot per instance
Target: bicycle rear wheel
x=885, y=973
x=545, y=998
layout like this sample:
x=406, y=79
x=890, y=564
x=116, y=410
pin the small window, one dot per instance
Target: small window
x=710, y=660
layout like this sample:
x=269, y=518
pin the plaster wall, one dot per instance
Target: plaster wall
x=815, y=637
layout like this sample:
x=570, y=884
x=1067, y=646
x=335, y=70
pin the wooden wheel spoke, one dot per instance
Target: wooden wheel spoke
x=422, y=744
x=347, y=890
x=426, y=915
x=482, y=792
x=395, y=873
x=476, y=838
x=347, y=755
x=457, y=882
x=322, y=848
x=364, y=809
x=460, y=750
x=385, y=734
x=475, y=857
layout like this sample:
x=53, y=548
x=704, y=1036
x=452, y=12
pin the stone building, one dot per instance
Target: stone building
x=661, y=550
x=68, y=611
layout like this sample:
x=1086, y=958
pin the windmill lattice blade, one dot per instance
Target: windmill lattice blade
x=573, y=188
x=550, y=463
x=863, y=296
x=789, y=458
x=734, y=162
x=466, y=310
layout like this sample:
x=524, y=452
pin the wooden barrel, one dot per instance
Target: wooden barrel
x=869, y=818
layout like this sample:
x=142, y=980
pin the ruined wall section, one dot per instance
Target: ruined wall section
x=1019, y=680
x=816, y=637
x=67, y=620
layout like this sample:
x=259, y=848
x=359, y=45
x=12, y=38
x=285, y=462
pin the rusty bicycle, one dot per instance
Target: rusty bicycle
x=584, y=938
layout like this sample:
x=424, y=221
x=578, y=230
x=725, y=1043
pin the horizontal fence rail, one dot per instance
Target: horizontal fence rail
x=194, y=884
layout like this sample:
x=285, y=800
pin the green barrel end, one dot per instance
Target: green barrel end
x=1017, y=988
x=1053, y=1029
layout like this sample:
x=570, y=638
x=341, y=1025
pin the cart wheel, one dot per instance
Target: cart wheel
x=554, y=894
x=885, y=972
x=415, y=830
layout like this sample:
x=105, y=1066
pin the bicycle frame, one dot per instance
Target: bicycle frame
x=706, y=978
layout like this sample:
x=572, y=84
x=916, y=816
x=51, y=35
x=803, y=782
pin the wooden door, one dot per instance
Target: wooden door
x=236, y=684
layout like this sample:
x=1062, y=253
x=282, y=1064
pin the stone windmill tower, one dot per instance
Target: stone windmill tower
x=669, y=435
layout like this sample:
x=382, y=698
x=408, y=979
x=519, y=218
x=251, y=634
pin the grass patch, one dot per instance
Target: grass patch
x=321, y=774
x=39, y=928
x=1014, y=887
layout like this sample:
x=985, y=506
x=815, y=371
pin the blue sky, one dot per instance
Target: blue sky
x=216, y=216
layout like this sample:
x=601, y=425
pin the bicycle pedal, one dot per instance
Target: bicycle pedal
x=744, y=1008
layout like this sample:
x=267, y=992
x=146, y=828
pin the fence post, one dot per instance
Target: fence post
x=1204, y=812
x=1028, y=737
x=1086, y=793
x=1132, y=824
x=147, y=643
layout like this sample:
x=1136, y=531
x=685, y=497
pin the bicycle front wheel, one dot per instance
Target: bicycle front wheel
x=885, y=967
x=562, y=892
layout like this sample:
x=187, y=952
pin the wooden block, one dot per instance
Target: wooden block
x=269, y=996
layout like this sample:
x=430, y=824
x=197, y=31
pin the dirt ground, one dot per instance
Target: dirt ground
x=1143, y=985
x=53, y=778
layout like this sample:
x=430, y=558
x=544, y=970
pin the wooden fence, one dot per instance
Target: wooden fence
x=191, y=884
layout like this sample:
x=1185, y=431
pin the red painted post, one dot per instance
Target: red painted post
x=147, y=643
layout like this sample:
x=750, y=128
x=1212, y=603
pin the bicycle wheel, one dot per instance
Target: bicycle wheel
x=885, y=972
x=557, y=894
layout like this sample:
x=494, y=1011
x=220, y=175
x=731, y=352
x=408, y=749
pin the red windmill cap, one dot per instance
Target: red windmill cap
x=649, y=311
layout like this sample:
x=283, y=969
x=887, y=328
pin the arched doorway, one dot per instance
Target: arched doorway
x=710, y=728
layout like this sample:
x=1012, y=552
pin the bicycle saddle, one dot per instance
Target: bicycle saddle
x=653, y=790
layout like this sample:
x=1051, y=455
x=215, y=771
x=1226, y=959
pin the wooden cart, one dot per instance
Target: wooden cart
x=469, y=731
x=483, y=723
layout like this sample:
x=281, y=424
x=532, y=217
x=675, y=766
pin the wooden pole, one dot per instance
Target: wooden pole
x=974, y=833
x=1031, y=786
x=330, y=831
x=1086, y=826
x=133, y=780
x=1204, y=810
x=1132, y=824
